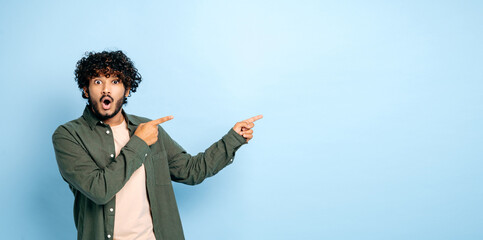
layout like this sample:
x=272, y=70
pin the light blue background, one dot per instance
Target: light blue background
x=373, y=112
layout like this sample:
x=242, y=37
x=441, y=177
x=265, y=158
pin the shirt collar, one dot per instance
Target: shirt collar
x=92, y=120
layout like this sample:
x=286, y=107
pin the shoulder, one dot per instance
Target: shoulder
x=137, y=119
x=71, y=127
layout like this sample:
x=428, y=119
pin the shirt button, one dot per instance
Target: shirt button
x=111, y=209
x=145, y=155
x=112, y=155
x=108, y=235
x=107, y=132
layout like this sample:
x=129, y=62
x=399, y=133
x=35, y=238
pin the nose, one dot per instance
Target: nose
x=106, y=90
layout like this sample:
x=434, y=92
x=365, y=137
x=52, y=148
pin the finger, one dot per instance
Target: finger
x=243, y=125
x=161, y=120
x=253, y=119
x=248, y=131
x=250, y=125
x=240, y=127
x=248, y=136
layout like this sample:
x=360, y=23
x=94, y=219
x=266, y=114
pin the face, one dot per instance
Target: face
x=106, y=96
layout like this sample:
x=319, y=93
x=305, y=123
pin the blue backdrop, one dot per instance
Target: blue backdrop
x=373, y=112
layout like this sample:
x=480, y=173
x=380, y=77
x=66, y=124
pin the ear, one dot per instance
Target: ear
x=85, y=92
x=128, y=91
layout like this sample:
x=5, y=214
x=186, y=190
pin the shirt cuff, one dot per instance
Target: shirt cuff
x=234, y=139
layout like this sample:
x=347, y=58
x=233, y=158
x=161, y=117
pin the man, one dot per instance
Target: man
x=120, y=166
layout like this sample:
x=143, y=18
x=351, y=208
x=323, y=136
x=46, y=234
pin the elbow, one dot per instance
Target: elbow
x=99, y=193
x=99, y=200
x=93, y=186
x=193, y=182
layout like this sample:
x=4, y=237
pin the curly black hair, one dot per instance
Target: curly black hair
x=107, y=63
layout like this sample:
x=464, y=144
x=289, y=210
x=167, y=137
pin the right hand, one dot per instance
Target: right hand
x=148, y=131
x=244, y=128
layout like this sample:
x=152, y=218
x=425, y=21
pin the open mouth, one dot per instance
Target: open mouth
x=106, y=102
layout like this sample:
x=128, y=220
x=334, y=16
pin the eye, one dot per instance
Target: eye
x=115, y=81
x=97, y=82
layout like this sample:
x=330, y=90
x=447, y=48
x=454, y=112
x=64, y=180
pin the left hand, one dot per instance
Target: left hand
x=244, y=128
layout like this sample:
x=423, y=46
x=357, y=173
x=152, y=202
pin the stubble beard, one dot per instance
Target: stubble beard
x=96, y=105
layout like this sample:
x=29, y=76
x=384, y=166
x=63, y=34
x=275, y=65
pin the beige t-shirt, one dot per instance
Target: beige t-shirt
x=132, y=218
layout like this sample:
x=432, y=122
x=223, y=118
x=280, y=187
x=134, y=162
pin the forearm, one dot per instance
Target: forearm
x=98, y=179
x=194, y=169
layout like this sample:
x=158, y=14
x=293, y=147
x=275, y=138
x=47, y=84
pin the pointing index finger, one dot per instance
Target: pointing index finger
x=253, y=119
x=161, y=120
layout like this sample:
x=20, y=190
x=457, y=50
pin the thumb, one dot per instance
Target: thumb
x=239, y=126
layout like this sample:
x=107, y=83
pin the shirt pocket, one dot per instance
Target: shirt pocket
x=161, y=169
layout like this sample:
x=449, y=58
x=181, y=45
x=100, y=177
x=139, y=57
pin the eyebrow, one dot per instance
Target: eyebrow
x=98, y=78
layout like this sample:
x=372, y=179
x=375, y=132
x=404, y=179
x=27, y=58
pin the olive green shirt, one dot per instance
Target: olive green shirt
x=84, y=149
